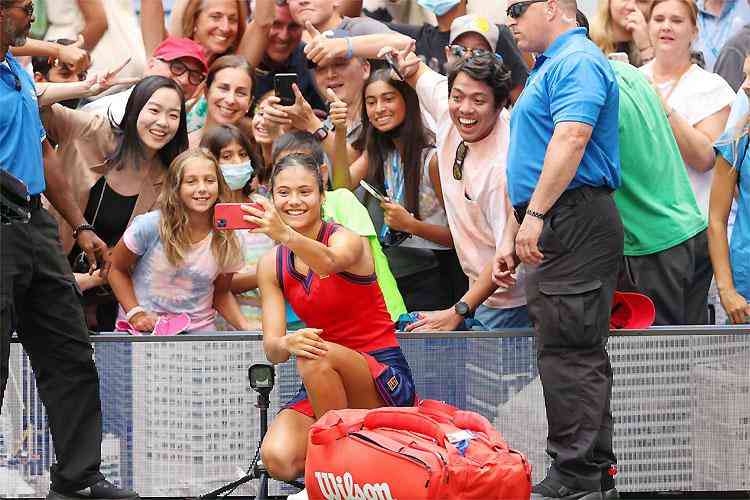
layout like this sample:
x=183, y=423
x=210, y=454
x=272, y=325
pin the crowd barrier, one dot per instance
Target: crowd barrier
x=180, y=418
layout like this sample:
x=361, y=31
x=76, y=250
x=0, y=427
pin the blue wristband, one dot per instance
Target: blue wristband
x=349, y=48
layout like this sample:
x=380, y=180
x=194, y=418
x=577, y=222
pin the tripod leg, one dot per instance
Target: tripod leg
x=263, y=487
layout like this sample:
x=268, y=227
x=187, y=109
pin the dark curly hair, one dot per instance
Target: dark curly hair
x=487, y=69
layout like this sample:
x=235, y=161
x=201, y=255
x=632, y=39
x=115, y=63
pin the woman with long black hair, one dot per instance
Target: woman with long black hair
x=399, y=160
x=116, y=171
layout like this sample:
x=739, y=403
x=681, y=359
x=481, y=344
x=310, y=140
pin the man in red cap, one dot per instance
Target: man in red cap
x=180, y=59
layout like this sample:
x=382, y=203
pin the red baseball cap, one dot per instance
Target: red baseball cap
x=175, y=48
x=632, y=310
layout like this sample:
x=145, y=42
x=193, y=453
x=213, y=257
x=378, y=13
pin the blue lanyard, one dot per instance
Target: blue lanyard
x=394, y=182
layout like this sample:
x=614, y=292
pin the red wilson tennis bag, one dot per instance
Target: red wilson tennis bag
x=431, y=451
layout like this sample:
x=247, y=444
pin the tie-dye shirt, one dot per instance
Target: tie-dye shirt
x=161, y=287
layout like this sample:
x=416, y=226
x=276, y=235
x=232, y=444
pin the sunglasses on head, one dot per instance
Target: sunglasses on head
x=518, y=9
x=458, y=163
x=465, y=53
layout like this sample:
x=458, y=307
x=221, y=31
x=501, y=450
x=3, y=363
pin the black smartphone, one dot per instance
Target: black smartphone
x=392, y=64
x=282, y=87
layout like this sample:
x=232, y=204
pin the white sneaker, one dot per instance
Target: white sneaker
x=302, y=495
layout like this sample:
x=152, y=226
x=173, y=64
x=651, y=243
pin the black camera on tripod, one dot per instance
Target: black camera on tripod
x=262, y=377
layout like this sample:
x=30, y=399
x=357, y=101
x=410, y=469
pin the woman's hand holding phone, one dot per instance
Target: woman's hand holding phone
x=268, y=221
x=397, y=217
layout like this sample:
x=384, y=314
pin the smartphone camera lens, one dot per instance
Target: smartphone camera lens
x=221, y=223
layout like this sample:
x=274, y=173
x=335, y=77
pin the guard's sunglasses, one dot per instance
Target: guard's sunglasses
x=518, y=9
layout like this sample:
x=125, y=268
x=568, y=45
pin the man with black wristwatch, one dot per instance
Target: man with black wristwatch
x=39, y=298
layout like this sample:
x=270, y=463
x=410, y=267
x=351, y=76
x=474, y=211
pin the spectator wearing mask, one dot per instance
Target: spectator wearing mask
x=180, y=59
x=666, y=245
x=718, y=21
x=563, y=165
x=455, y=31
x=116, y=170
x=729, y=256
x=730, y=63
x=39, y=300
x=472, y=143
x=697, y=102
x=622, y=26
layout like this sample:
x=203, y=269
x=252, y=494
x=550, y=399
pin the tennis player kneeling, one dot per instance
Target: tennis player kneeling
x=349, y=356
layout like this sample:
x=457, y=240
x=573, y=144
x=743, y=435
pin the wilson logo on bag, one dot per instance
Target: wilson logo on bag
x=334, y=487
x=431, y=451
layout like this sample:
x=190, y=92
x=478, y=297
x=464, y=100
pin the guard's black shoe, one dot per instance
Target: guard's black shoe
x=103, y=490
x=552, y=490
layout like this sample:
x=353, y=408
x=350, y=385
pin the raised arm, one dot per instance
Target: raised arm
x=73, y=54
x=95, y=22
x=323, y=50
x=255, y=40
x=153, y=30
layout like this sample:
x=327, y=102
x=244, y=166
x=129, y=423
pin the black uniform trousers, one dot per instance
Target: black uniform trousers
x=569, y=298
x=39, y=299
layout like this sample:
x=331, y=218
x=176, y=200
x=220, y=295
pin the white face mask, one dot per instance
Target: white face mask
x=236, y=175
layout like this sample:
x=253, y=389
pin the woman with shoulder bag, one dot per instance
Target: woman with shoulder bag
x=117, y=170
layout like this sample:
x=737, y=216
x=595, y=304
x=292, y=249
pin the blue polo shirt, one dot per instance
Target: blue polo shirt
x=21, y=129
x=571, y=81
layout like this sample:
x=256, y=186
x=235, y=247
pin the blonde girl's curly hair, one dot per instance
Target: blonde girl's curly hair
x=174, y=227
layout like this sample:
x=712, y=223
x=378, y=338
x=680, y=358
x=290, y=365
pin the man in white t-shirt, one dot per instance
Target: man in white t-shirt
x=180, y=59
x=472, y=141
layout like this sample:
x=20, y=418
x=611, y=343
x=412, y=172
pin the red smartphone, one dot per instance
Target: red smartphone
x=229, y=216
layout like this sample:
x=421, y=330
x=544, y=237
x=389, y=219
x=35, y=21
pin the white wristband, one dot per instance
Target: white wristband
x=133, y=311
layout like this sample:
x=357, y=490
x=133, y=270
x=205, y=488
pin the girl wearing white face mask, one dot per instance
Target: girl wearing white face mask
x=238, y=163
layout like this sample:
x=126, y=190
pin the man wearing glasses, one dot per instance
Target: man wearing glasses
x=38, y=295
x=469, y=107
x=563, y=165
x=180, y=59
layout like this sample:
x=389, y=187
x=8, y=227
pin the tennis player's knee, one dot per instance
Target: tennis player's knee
x=280, y=460
x=309, y=368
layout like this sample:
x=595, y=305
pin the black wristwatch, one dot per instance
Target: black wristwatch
x=321, y=134
x=80, y=228
x=463, y=309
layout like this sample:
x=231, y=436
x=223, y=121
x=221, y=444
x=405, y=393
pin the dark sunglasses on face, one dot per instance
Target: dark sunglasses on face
x=178, y=68
x=518, y=9
x=458, y=163
x=464, y=53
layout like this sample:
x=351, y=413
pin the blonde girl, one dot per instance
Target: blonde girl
x=179, y=263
